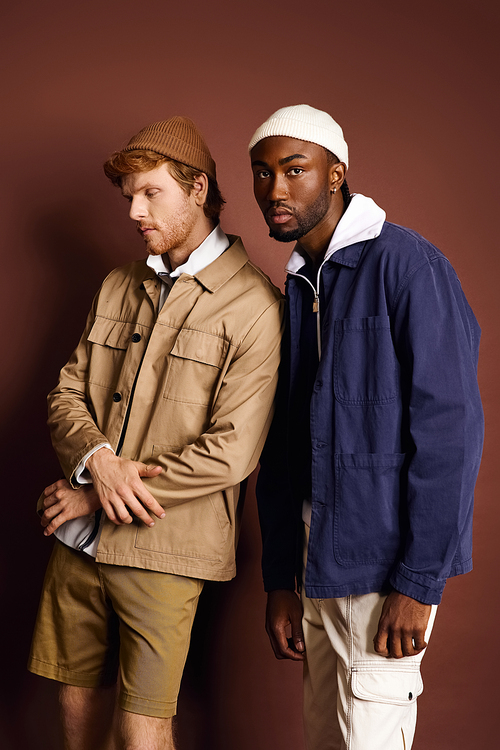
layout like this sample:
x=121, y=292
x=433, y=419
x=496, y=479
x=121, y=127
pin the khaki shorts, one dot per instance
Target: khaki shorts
x=95, y=618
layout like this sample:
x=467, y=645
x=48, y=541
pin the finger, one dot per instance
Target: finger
x=116, y=511
x=298, y=637
x=61, y=483
x=419, y=642
x=49, y=514
x=49, y=501
x=137, y=508
x=148, y=471
x=275, y=646
x=59, y=494
x=54, y=524
x=147, y=500
x=381, y=643
x=282, y=649
x=396, y=649
x=296, y=654
x=408, y=646
x=282, y=646
x=50, y=489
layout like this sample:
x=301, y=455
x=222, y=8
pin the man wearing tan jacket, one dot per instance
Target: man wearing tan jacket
x=158, y=416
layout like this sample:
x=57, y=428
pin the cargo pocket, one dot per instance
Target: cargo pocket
x=194, y=367
x=366, y=520
x=399, y=687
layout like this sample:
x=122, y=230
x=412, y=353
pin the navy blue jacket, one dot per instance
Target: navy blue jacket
x=396, y=426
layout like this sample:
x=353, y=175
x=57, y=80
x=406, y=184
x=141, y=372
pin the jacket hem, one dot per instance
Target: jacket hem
x=161, y=566
x=347, y=589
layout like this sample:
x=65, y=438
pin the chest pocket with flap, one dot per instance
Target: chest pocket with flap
x=110, y=339
x=195, y=364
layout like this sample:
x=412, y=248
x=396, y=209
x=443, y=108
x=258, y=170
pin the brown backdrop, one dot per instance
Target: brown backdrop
x=415, y=86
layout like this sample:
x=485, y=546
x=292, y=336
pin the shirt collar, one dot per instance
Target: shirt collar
x=210, y=249
x=362, y=220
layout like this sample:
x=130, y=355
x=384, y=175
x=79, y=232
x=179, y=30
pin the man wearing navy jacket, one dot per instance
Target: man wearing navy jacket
x=366, y=484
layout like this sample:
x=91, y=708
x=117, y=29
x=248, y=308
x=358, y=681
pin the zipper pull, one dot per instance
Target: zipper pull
x=316, y=303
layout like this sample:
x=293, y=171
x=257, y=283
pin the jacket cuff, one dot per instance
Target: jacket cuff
x=418, y=586
x=75, y=472
x=81, y=475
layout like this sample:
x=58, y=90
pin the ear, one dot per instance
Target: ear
x=337, y=176
x=200, y=189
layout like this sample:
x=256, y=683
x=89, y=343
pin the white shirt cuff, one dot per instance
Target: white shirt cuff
x=82, y=475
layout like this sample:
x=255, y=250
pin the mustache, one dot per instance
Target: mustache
x=280, y=206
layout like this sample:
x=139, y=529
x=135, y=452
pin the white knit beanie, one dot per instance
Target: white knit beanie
x=306, y=124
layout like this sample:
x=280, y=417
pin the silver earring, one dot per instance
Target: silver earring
x=334, y=190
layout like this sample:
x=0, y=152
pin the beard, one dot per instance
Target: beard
x=171, y=233
x=305, y=221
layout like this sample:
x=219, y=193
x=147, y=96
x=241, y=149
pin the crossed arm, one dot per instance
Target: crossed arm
x=117, y=488
x=401, y=628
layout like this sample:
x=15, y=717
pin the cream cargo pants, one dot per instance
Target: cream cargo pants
x=355, y=699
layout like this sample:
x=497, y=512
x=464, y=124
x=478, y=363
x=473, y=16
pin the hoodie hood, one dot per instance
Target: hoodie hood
x=363, y=220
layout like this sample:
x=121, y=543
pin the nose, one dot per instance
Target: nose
x=277, y=189
x=138, y=209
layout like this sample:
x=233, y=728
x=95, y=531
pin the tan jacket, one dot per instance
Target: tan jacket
x=190, y=389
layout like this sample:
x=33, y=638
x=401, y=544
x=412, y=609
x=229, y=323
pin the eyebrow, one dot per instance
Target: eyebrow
x=285, y=160
x=147, y=186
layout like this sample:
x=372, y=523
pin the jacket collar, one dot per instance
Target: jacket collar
x=212, y=246
x=215, y=275
x=363, y=220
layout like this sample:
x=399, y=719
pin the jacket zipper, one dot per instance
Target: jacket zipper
x=316, y=305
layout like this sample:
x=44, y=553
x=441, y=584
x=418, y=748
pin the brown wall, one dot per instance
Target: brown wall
x=415, y=86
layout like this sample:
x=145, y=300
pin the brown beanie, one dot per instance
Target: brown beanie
x=177, y=138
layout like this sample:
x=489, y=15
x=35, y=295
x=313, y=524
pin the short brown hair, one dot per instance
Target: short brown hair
x=123, y=163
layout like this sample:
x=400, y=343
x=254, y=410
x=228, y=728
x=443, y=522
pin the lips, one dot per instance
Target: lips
x=279, y=215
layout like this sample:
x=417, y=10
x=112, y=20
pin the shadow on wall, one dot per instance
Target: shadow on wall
x=74, y=265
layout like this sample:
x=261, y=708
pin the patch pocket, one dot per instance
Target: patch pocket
x=400, y=687
x=194, y=367
x=366, y=370
x=198, y=529
x=110, y=340
x=366, y=520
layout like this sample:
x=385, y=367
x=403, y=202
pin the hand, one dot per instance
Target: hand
x=284, y=611
x=402, y=626
x=118, y=483
x=62, y=503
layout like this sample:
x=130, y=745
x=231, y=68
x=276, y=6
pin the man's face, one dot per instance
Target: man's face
x=165, y=215
x=291, y=186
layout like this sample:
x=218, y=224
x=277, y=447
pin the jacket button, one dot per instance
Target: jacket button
x=136, y=337
x=410, y=696
x=117, y=397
